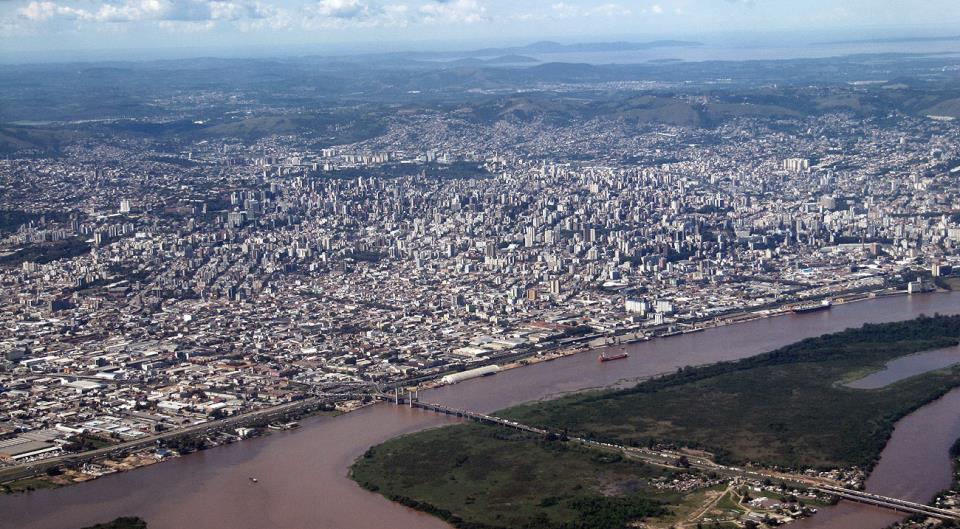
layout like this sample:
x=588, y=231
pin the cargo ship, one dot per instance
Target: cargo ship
x=804, y=309
x=618, y=356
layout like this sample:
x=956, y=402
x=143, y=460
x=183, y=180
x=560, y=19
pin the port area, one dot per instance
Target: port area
x=106, y=460
x=638, y=333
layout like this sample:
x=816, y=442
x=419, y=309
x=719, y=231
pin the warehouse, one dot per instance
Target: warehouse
x=471, y=373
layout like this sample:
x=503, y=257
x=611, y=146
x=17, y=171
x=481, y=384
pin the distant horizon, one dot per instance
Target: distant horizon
x=90, y=30
x=709, y=41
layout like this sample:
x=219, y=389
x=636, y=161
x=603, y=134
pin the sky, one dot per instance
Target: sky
x=35, y=29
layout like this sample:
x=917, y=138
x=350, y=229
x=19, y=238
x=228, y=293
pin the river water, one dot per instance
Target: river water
x=302, y=474
x=909, y=366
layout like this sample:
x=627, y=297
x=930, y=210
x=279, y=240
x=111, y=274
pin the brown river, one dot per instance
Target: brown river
x=302, y=474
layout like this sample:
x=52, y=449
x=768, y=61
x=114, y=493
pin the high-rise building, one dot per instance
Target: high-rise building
x=796, y=164
x=555, y=287
x=490, y=250
x=637, y=306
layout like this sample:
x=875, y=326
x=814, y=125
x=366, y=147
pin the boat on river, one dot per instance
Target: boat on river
x=805, y=309
x=620, y=356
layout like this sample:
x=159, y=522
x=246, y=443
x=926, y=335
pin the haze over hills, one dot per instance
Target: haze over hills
x=556, y=47
x=945, y=38
x=493, y=55
x=44, y=106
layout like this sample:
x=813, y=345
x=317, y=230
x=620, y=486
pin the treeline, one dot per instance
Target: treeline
x=12, y=219
x=186, y=444
x=768, y=409
x=47, y=252
x=612, y=512
x=593, y=512
x=124, y=522
x=886, y=340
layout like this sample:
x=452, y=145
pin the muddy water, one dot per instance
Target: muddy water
x=914, y=466
x=909, y=366
x=302, y=474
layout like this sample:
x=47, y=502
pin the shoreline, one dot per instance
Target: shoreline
x=344, y=407
x=741, y=316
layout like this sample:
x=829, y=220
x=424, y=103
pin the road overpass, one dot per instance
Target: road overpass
x=890, y=503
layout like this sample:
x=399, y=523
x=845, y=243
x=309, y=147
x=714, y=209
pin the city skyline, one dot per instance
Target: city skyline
x=436, y=264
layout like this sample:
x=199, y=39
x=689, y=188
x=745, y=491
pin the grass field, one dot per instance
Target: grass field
x=481, y=476
x=782, y=408
x=27, y=485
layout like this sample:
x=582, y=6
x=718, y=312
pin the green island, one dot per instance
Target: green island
x=788, y=408
x=479, y=477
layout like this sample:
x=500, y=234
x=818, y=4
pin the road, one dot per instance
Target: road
x=670, y=459
x=37, y=467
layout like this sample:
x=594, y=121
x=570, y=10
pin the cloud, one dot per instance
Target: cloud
x=656, y=9
x=338, y=14
x=565, y=10
x=343, y=9
x=369, y=13
x=247, y=15
x=148, y=10
x=462, y=11
x=609, y=10
x=46, y=10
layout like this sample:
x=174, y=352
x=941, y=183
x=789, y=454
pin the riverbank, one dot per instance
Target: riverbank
x=37, y=477
x=77, y=469
x=34, y=475
x=304, y=473
x=947, y=499
x=510, y=478
x=769, y=409
x=634, y=336
x=765, y=409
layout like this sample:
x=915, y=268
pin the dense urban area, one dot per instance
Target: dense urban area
x=163, y=296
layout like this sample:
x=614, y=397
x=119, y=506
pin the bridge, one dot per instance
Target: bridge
x=890, y=503
x=413, y=401
x=667, y=458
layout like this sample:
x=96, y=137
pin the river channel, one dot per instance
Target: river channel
x=302, y=474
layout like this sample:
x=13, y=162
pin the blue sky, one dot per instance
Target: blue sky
x=34, y=27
